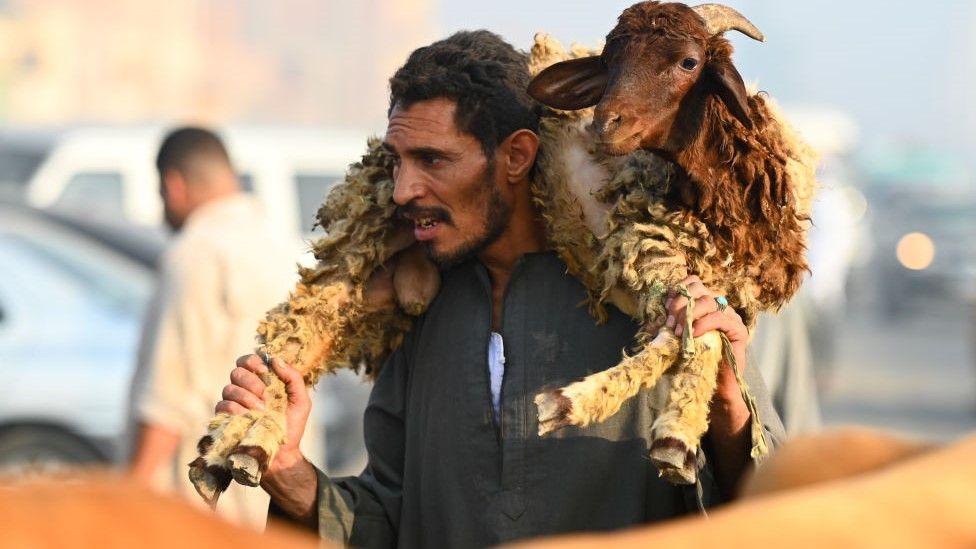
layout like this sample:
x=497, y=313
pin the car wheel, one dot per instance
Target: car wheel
x=35, y=451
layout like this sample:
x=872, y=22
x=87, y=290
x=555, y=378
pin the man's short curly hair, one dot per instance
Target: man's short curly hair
x=483, y=74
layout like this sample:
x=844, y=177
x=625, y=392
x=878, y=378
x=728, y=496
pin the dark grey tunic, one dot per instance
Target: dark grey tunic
x=442, y=474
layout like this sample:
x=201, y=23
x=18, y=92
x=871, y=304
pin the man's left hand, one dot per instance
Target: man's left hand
x=708, y=317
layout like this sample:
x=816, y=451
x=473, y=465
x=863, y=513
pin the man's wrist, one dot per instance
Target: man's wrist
x=285, y=459
x=292, y=484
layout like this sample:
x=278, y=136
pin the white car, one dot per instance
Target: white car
x=72, y=297
x=110, y=172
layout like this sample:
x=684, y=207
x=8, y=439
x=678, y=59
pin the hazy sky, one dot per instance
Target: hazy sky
x=904, y=70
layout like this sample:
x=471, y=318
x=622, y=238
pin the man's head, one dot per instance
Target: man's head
x=464, y=131
x=194, y=168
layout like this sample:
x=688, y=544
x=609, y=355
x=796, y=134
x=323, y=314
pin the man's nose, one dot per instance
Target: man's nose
x=407, y=187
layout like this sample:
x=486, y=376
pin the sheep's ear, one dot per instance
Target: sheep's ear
x=732, y=90
x=570, y=85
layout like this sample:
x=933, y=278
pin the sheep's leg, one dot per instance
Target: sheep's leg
x=600, y=395
x=678, y=429
x=250, y=458
x=209, y=473
x=416, y=280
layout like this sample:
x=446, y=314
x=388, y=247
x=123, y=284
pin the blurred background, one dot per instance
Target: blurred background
x=883, y=333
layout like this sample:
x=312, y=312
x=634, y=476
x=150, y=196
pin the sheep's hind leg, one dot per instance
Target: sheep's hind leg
x=250, y=458
x=209, y=473
x=600, y=395
x=677, y=431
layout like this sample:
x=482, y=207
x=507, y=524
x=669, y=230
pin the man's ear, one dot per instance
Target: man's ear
x=174, y=185
x=571, y=85
x=521, y=147
x=729, y=86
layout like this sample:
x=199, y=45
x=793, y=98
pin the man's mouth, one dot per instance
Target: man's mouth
x=425, y=222
x=425, y=225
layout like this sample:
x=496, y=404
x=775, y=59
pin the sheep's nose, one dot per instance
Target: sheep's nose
x=607, y=123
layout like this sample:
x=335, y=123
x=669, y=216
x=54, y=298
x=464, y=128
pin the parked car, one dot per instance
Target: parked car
x=22, y=150
x=70, y=311
x=72, y=298
x=110, y=172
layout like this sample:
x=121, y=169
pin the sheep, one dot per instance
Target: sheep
x=698, y=176
x=629, y=224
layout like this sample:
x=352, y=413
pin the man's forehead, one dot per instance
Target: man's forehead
x=433, y=118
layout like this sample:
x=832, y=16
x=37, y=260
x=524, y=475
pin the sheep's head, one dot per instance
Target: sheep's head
x=649, y=85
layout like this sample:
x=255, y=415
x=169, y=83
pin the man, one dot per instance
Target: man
x=223, y=270
x=454, y=458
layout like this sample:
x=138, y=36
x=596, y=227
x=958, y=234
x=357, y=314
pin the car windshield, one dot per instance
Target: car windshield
x=59, y=262
x=312, y=190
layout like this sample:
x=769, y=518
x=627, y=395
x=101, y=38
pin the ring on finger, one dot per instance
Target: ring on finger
x=722, y=303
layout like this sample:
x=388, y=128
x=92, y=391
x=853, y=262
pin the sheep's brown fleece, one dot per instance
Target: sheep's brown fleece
x=629, y=228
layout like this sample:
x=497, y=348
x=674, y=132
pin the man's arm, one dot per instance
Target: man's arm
x=156, y=446
x=361, y=511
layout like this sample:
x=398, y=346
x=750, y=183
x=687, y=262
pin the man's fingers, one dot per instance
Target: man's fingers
x=248, y=380
x=253, y=363
x=243, y=397
x=294, y=382
x=698, y=290
x=731, y=325
x=705, y=304
x=230, y=407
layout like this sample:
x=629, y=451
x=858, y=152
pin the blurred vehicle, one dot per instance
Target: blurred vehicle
x=110, y=172
x=21, y=151
x=70, y=311
x=926, y=250
x=72, y=298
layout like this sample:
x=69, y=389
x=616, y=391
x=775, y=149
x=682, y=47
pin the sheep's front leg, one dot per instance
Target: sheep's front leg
x=600, y=395
x=209, y=473
x=678, y=429
x=250, y=459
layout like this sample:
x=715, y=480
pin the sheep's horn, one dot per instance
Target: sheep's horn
x=719, y=18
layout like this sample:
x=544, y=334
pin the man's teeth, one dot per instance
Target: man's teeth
x=426, y=223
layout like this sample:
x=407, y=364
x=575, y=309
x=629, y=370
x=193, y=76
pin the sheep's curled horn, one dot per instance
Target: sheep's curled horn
x=719, y=18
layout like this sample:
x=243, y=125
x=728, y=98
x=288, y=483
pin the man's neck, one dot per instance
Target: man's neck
x=525, y=234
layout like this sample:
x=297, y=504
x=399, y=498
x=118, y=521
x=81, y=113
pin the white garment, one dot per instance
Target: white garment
x=496, y=371
x=221, y=273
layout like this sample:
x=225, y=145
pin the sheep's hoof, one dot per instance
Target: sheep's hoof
x=209, y=480
x=247, y=464
x=675, y=462
x=554, y=409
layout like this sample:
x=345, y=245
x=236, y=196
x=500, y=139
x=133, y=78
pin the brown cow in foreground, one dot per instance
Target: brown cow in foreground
x=850, y=488
x=842, y=489
x=107, y=512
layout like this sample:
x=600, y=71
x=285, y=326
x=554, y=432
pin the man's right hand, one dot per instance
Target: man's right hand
x=246, y=392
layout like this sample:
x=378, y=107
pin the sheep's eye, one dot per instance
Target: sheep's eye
x=689, y=63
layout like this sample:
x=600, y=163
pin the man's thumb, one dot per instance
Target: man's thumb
x=294, y=384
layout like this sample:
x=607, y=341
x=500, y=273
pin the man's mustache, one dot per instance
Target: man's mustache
x=413, y=212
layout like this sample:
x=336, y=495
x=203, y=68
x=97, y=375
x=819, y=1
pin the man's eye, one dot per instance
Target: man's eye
x=431, y=159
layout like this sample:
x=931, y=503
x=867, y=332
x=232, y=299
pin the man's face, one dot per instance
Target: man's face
x=172, y=189
x=444, y=183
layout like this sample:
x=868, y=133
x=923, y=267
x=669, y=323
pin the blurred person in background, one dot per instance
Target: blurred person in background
x=225, y=267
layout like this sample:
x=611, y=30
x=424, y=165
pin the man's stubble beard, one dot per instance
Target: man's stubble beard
x=497, y=216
